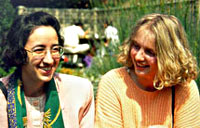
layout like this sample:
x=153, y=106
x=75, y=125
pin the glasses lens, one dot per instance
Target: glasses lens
x=38, y=52
x=57, y=51
x=61, y=51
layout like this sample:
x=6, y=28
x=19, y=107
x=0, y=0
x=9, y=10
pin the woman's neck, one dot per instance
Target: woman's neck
x=33, y=92
x=32, y=88
x=143, y=83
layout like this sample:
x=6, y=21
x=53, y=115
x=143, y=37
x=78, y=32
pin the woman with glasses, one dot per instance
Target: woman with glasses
x=35, y=95
x=156, y=87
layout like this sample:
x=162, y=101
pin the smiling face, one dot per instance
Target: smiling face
x=37, y=68
x=143, y=54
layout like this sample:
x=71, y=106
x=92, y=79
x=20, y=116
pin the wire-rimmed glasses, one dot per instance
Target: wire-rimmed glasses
x=40, y=52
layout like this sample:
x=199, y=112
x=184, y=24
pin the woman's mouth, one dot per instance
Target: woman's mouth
x=140, y=66
x=46, y=70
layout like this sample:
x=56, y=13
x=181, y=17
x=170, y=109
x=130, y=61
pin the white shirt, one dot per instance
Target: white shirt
x=35, y=110
x=112, y=34
x=72, y=34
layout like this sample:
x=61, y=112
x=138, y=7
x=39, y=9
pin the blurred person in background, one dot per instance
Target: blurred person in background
x=111, y=34
x=72, y=35
x=111, y=40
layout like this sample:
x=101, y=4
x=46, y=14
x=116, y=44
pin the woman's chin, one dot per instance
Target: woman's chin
x=45, y=78
x=141, y=73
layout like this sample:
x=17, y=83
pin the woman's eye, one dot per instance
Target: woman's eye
x=136, y=47
x=39, y=50
x=150, y=52
x=55, y=49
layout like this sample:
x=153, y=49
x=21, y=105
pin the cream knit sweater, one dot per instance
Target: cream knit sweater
x=121, y=104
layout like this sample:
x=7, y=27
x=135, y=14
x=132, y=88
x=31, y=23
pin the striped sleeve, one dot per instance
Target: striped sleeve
x=187, y=112
x=108, y=110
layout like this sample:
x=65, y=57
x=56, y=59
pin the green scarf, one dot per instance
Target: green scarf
x=17, y=107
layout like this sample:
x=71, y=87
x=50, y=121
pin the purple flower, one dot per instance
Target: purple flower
x=88, y=60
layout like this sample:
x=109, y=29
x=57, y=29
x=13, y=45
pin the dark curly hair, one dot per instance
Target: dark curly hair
x=13, y=53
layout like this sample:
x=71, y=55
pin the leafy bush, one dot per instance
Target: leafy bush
x=7, y=14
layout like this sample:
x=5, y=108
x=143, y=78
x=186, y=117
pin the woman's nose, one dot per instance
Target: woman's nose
x=140, y=55
x=48, y=59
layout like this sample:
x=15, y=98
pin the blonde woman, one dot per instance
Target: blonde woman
x=156, y=86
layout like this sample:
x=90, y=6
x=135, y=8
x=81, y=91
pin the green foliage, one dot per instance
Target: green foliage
x=4, y=73
x=7, y=14
x=102, y=62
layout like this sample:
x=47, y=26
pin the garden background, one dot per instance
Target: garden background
x=122, y=13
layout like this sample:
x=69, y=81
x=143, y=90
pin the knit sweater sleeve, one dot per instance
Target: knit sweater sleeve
x=187, y=107
x=108, y=110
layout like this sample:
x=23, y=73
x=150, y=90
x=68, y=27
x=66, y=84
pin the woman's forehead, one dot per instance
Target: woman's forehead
x=143, y=34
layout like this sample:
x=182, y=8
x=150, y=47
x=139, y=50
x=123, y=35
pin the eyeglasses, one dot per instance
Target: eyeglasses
x=40, y=52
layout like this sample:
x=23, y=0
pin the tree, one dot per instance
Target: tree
x=7, y=14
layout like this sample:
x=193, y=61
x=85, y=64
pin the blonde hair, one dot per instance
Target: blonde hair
x=176, y=64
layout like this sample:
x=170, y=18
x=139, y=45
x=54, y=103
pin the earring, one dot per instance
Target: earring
x=158, y=86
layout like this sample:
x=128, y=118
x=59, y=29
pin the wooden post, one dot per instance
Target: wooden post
x=198, y=13
x=95, y=15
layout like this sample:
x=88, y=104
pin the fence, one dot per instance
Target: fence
x=93, y=18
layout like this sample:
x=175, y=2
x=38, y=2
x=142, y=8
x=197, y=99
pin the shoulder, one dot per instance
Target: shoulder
x=72, y=79
x=117, y=72
x=73, y=89
x=192, y=87
x=67, y=28
x=114, y=78
x=71, y=82
x=4, y=87
x=189, y=88
x=5, y=80
x=109, y=27
x=80, y=30
x=187, y=105
x=112, y=28
x=187, y=93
